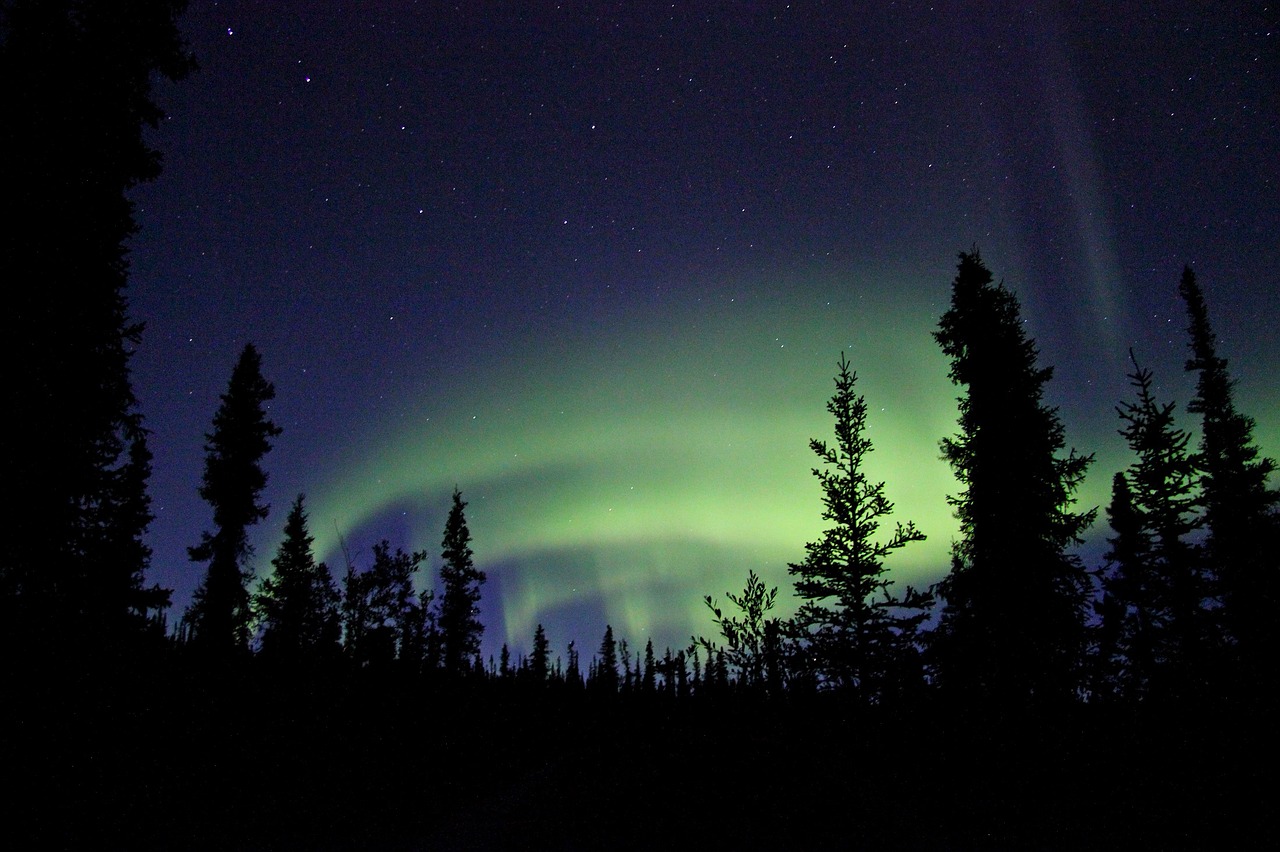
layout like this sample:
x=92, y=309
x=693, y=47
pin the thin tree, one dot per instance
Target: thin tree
x=573, y=668
x=1125, y=657
x=853, y=633
x=1239, y=505
x=649, y=675
x=297, y=604
x=747, y=638
x=459, y=617
x=233, y=482
x=1013, y=624
x=605, y=677
x=540, y=659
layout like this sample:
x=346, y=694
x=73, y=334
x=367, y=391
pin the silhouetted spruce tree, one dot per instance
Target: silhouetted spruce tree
x=1012, y=628
x=649, y=678
x=1157, y=585
x=721, y=684
x=606, y=668
x=667, y=668
x=384, y=618
x=124, y=605
x=233, y=482
x=75, y=98
x=459, y=621
x=297, y=604
x=540, y=659
x=573, y=668
x=709, y=674
x=1125, y=656
x=854, y=634
x=1240, y=509
x=628, y=680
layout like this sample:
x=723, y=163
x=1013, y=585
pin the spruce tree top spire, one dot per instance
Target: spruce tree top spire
x=242, y=432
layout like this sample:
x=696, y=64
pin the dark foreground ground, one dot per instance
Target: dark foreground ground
x=265, y=763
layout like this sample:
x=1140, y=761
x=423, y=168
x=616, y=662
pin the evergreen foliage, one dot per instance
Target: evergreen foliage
x=1240, y=507
x=75, y=99
x=540, y=659
x=1157, y=586
x=853, y=633
x=649, y=674
x=1012, y=627
x=459, y=618
x=233, y=482
x=605, y=671
x=297, y=606
x=573, y=667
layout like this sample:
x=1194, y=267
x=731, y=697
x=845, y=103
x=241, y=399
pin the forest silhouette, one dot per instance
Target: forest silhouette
x=1027, y=700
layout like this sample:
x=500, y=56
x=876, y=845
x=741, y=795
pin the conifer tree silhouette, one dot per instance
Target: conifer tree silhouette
x=1012, y=628
x=649, y=674
x=853, y=633
x=459, y=621
x=605, y=678
x=297, y=604
x=76, y=98
x=233, y=482
x=540, y=659
x=1156, y=588
x=1240, y=509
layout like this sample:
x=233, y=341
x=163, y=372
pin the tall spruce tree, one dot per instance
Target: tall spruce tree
x=605, y=678
x=540, y=658
x=1240, y=506
x=1156, y=590
x=1012, y=628
x=75, y=97
x=853, y=633
x=297, y=604
x=459, y=617
x=219, y=615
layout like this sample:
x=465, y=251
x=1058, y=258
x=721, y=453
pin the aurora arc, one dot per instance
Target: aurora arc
x=638, y=474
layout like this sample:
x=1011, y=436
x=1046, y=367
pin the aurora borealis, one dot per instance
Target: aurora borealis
x=595, y=267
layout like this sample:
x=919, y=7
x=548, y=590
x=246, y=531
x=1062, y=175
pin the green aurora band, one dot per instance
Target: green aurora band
x=640, y=470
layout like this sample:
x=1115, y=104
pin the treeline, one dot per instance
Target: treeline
x=1182, y=610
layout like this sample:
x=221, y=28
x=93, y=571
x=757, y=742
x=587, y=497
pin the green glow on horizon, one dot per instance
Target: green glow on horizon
x=658, y=466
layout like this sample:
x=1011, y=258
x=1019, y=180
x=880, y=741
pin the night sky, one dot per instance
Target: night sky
x=594, y=265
